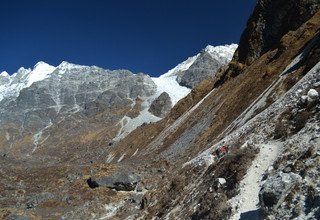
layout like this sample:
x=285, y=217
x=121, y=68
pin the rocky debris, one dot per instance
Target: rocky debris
x=308, y=100
x=316, y=84
x=161, y=106
x=72, y=177
x=138, y=200
x=276, y=189
x=120, y=181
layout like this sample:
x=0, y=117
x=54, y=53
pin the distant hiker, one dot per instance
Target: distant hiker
x=221, y=151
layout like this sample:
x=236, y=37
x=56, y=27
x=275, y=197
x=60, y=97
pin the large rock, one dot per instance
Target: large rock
x=276, y=189
x=120, y=181
x=161, y=106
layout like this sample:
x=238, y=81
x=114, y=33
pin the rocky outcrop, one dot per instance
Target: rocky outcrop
x=270, y=21
x=202, y=68
x=161, y=106
x=276, y=189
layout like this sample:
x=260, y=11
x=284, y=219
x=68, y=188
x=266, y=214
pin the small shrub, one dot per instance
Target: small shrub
x=280, y=130
x=300, y=121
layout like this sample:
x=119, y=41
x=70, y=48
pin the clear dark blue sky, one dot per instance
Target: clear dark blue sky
x=148, y=36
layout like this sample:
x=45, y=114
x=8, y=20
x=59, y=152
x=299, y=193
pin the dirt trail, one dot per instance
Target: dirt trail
x=246, y=202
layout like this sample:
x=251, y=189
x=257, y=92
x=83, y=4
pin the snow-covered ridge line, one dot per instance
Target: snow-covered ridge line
x=24, y=78
x=10, y=86
x=181, y=67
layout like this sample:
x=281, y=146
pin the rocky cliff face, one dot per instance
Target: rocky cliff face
x=270, y=21
x=248, y=135
x=34, y=107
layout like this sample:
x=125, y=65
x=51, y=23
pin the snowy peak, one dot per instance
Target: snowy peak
x=220, y=53
x=64, y=66
x=39, y=64
x=24, y=78
x=40, y=72
x=4, y=74
x=170, y=82
x=223, y=53
x=195, y=69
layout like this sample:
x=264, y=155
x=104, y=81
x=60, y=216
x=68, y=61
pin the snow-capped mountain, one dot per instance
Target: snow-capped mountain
x=23, y=78
x=244, y=145
x=38, y=99
x=203, y=65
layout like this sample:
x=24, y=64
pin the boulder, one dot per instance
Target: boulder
x=313, y=94
x=222, y=181
x=120, y=181
x=276, y=189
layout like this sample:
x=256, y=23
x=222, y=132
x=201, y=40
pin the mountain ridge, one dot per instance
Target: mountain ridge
x=35, y=101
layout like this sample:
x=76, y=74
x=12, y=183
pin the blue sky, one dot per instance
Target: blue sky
x=149, y=36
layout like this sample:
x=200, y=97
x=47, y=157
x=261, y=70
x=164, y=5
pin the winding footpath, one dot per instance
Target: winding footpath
x=246, y=202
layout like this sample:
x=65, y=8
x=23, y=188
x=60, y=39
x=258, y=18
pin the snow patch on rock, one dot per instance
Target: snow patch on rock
x=169, y=85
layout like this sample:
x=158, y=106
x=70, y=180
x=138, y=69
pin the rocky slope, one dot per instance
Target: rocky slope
x=266, y=112
x=67, y=117
x=243, y=144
